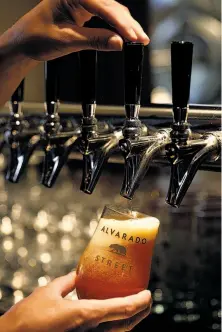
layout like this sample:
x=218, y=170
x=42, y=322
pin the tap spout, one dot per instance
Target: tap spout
x=57, y=151
x=57, y=144
x=138, y=156
x=96, y=152
x=95, y=146
x=21, y=140
x=186, y=160
x=20, y=153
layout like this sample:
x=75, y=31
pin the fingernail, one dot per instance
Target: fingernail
x=145, y=38
x=115, y=43
x=148, y=293
x=133, y=34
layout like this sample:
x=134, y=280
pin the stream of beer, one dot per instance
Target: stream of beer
x=130, y=206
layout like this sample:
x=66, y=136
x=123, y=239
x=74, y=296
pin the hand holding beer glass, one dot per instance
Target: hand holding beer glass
x=117, y=260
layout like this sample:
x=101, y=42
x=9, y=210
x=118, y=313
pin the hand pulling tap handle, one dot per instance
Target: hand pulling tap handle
x=181, y=63
x=133, y=66
x=88, y=65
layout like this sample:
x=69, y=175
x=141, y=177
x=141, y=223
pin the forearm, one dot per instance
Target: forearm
x=14, y=65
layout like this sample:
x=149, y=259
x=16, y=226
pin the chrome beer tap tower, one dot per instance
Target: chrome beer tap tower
x=137, y=141
x=54, y=138
x=95, y=145
x=139, y=145
x=19, y=137
x=187, y=149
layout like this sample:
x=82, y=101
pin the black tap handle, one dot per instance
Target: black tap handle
x=181, y=66
x=18, y=95
x=88, y=66
x=51, y=85
x=133, y=67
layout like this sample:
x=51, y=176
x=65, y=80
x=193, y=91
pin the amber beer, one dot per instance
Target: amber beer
x=118, y=258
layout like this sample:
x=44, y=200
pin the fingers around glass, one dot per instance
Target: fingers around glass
x=64, y=285
x=117, y=308
x=123, y=325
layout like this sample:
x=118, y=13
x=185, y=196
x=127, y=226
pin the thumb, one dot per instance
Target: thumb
x=82, y=38
x=63, y=285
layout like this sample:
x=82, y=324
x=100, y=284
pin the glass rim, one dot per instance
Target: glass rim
x=116, y=208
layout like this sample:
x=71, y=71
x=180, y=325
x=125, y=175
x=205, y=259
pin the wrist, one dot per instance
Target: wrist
x=14, y=65
x=11, y=50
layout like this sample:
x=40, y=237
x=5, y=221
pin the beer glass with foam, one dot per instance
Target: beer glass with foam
x=117, y=260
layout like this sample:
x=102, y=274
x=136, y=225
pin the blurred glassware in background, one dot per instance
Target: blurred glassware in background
x=198, y=21
x=44, y=231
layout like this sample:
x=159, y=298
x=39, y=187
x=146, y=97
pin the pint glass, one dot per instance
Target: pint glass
x=117, y=260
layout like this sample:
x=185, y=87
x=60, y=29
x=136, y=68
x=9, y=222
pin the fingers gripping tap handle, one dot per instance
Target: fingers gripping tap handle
x=51, y=86
x=181, y=66
x=88, y=66
x=133, y=67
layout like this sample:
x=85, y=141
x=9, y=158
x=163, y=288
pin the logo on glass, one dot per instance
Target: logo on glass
x=117, y=249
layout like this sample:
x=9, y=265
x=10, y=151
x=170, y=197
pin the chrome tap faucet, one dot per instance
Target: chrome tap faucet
x=140, y=144
x=95, y=145
x=19, y=137
x=188, y=150
x=57, y=143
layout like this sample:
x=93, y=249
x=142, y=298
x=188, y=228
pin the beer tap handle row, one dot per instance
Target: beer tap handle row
x=60, y=144
x=184, y=150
